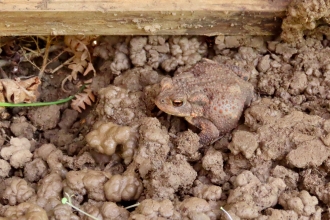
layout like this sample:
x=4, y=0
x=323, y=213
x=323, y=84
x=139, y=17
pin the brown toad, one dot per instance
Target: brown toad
x=209, y=95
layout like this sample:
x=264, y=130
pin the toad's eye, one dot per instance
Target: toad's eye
x=177, y=103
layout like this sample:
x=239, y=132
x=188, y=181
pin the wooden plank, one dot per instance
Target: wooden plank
x=141, y=17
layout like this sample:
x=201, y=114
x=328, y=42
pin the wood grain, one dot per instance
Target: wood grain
x=141, y=17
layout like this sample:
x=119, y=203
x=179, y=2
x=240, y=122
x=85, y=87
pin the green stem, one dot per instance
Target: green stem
x=132, y=206
x=60, y=101
x=228, y=215
x=67, y=201
x=78, y=209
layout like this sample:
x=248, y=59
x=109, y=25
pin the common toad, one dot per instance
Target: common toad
x=209, y=95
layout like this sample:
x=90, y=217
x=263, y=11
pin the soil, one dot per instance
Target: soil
x=123, y=151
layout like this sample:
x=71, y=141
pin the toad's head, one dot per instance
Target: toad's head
x=173, y=100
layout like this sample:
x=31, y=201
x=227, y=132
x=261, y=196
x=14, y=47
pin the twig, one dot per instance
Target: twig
x=36, y=42
x=42, y=38
x=45, y=60
x=65, y=63
x=57, y=56
x=32, y=54
x=32, y=51
x=27, y=59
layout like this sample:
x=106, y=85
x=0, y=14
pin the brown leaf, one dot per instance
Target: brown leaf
x=90, y=94
x=30, y=84
x=17, y=91
x=82, y=99
x=76, y=68
x=84, y=55
x=88, y=81
x=82, y=58
x=89, y=68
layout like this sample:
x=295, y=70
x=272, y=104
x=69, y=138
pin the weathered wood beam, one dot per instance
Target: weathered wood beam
x=141, y=17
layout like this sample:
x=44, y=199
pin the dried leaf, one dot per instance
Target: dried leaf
x=78, y=43
x=17, y=91
x=76, y=68
x=30, y=84
x=82, y=99
x=89, y=68
x=90, y=94
x=89, y=81
x=82, y=58
x=84, y=55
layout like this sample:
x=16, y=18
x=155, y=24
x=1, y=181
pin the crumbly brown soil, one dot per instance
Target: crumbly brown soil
x=123, y=151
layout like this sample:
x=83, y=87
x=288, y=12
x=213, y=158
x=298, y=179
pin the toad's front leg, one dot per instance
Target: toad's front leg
x=209, y=132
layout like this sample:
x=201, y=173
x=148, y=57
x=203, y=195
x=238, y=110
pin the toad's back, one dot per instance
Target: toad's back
x=209, y=93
